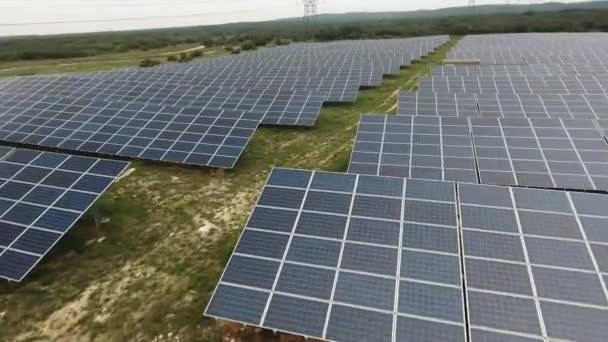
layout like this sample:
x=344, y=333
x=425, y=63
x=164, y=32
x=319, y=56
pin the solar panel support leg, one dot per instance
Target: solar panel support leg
x=96, y=217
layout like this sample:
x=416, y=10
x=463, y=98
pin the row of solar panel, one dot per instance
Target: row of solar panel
x=573, y=85
x=179, y=90
x=347, y=257
x=561, y=48
x=42, y=195
x=547, y=153
x=520, y=70
x=503, y=105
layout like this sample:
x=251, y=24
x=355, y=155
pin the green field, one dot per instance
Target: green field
x=149, y=270
x=104, y=62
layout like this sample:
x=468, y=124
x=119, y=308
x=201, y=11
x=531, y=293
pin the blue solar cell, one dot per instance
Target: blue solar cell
x=92, y=183
x=330, y=226
x=282, y=198
x=32, y=174
x=15, y=265
x=291, y=178
x=75, y=200
x=333, y=181
x=61, y=179
x=76, y=163
x=251, y=272
x=371, y=259
x=365, y=290
x=434, y=301
x=262, y=244
x=314, y=251
x=352, y=324
x=238, y=304
x=23, y=213
x=296, y=315
x=58, y=220
x=377, y=207
x=328, y=202
x=272, y=219
x=36, y=241
x=306, y=281
x=22, y=156
x=9, y=232
x=420, y=330
x=380, y=186
x=8, y=170
x=14, y=190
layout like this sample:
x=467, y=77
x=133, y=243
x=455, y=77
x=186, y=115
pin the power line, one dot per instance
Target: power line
x=125, y=19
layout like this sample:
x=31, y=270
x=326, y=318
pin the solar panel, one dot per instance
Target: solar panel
x=184, y=135
x=518, y=70
x=503, y=105
x=569, y=154
x=546, y=153
x=384, y=263
x=528, y=84
x=437, y=104
x=337, y=88
x=280, y=107
x=534, y=263
x=42, y=195
x=415, y=147
x=343, y=257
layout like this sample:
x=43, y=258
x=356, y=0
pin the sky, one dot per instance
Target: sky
x=27, y=17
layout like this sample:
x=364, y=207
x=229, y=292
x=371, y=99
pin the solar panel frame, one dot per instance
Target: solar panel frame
x=535, y=291
x=338, y=314
x=435, y=148
x=184, y=135
x=545, y=153
x=489, y=221
x=52, y=194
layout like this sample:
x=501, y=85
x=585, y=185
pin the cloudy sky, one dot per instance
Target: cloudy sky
x=18, y=17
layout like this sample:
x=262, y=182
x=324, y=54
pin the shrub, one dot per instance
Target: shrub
x=281, y=41
x=197, y=53
x=184, y=57
x=228, y=48
x=147, y=63
x=172, y=58
x=248, y=45
x=235, y=51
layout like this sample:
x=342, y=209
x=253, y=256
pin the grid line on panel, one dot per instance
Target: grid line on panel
x=340, y=255
x=399, y=256
x=284, y=257
x=62, y=191
x=542, y=152
x=539, y=312
x=475, y=156
x=411, y=152
x=587, y=245
x=578, y=154
x=441, y=156
x=461, y=256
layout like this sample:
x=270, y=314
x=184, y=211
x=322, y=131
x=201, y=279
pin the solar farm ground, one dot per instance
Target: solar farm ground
x=168, y=232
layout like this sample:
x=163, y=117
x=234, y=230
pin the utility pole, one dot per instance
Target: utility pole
x=310, y=11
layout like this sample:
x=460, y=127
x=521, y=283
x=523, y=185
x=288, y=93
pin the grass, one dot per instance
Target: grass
x=109, y=61
x=149, y=270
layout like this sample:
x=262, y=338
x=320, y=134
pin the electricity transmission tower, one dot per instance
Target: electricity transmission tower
x=471, y=3
x=310, y=10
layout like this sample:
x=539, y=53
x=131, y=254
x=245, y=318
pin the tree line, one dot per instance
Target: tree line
x=259, y=34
